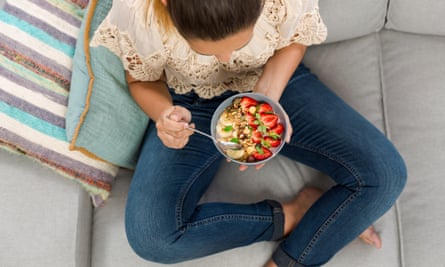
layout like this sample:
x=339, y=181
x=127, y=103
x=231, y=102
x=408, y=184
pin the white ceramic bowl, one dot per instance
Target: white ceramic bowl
x=278, y=110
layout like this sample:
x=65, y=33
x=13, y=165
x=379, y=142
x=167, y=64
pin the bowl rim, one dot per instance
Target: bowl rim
x=281, y=113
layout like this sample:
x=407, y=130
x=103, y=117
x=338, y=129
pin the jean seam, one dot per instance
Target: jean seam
x=332, y=157
x=218, y=218
x=325, y=225
x=343, y=205
x=179, y=219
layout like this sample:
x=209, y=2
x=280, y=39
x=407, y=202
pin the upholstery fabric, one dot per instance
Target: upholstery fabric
x=350, y=19
x=110, y=247
x=393, y=77
x=423, y=17
x=280, y=179
x=37, y=46
x=102, y=118
x=363, y=91
x=50, y=224
x=415, y=97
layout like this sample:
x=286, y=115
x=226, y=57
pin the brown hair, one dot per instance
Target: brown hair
x=207, y=19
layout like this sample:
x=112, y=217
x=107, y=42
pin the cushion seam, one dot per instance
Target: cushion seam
x=387, y=131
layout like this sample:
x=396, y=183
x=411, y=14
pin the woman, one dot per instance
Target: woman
x=182, y=59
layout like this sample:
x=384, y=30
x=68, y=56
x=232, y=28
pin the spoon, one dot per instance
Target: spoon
x=223, y=144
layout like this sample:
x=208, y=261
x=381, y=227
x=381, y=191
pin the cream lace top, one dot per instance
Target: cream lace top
x=147, y=53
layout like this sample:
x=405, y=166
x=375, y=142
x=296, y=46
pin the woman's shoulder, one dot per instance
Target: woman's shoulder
x=134, y=20
x=129, y=33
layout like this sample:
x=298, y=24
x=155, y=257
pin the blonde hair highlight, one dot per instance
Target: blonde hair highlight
x=160, y=12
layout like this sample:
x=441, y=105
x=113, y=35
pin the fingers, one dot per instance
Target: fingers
x=259, y=166
x=171, y=127
x=289, y=128
x=243, y=167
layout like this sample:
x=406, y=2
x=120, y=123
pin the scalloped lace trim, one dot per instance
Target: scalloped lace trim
x=208, y=78
x=139, y=67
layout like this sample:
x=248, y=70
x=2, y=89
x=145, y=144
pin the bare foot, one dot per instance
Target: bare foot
x=270, y=263
x=370, y=237
x=295, y=209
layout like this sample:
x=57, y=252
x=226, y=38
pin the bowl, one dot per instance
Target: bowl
x=219, y=126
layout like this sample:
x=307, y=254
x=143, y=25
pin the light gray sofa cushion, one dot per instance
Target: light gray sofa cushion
x=425, y=17
x=352, y=70
x=414, y=68
x=349, y=19
x=45, y=220
x=280, y=179
x=110, y=247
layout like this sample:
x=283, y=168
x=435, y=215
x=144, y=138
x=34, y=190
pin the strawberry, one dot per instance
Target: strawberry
x=269, y=120
x=273, y=142
x=278, y=129
x=261, y=153
x=247, y=102
x=257, y=137
x=252, y=121
x=265, y=108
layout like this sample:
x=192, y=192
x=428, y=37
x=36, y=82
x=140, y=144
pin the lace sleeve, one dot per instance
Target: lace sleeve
x=302, y=23
x=141, y=54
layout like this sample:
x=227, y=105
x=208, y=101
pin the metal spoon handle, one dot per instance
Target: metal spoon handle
x=200, y=132
x=221, y=144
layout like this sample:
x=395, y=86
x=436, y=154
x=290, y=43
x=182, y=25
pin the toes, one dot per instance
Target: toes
x=371, y=237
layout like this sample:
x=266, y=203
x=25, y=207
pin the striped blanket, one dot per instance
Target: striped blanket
x=37, y=42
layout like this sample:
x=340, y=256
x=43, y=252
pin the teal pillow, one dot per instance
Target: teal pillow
x=102, y=119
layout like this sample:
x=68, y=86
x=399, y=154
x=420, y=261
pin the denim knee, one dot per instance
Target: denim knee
x=151, y=244
x=389, y=175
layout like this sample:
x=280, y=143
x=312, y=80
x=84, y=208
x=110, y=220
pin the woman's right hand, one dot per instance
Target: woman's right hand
x=171, y=126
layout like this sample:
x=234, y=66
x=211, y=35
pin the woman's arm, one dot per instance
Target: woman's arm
x=155, y=100
x=152, y=97
x=278, y=70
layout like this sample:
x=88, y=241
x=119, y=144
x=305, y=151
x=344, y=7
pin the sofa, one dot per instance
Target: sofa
x=386, y=58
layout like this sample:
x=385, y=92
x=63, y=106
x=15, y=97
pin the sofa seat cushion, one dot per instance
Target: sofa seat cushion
x=352, y=70
x=110, y=247
x=280, y=179
x=46, y=220
x=414, y=67
x=354, y=78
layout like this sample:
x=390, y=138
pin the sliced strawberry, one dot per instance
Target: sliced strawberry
x=278, y=129
x=261, y=153
x=252, y=121
x=269, y=120
x=265, y=108
x=247, y=102
x=257, y=137
x=273, y=142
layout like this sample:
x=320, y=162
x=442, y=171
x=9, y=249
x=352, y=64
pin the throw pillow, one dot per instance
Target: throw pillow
x=37, y=42
x=102, y=118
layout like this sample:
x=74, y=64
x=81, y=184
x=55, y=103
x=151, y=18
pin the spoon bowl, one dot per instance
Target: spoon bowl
x=225, y=146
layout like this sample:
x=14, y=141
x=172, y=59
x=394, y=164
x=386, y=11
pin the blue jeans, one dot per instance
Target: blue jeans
x=165, y=223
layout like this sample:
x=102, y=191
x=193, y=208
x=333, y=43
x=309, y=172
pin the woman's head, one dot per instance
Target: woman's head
x=212, y=20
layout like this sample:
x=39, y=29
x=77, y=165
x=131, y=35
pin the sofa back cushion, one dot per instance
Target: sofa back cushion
x=424, y=17
x=349, y=19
